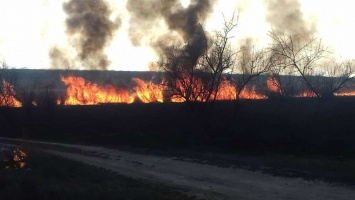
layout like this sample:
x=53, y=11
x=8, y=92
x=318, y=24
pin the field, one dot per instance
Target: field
x=311, y=138
x=299, y=125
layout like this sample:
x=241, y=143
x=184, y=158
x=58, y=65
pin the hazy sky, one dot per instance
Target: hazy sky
x=30, y=28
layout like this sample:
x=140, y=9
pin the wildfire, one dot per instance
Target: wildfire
x=306, y=93
x=17, y=160
x=148, y=91
x=345, y=93
x=188, y=87
x=227, y=91
x=82, y=92
x=251, y=94
x=177, y=99
x=7, y=97
x=273, y=85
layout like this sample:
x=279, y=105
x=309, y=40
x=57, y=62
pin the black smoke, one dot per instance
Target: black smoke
x=186, y=22
x=89, y=30
x=287, y=16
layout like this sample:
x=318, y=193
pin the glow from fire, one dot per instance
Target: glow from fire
x=345, y=93
x=7, y=97
x=188, y=87
x=251, y=94
x=273, y=85
x=83, y=92
x=306, y=93
x=149, y=92
x=17, y=161
x=227, y=91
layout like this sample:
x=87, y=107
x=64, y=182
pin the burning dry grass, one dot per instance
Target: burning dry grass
x=83, y=92
x=149, y=92
x=7, y=96
x=15, y=159
x=80, y=91
x=273, y=85
x=345, y=93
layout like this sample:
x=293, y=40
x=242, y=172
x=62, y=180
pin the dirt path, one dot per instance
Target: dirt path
x=209, y=182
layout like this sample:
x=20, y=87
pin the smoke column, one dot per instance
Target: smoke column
x=286, y=15
x=245, y=55
x=147, y=14
x=89, y=30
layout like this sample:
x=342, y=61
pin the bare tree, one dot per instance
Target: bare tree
x=251, y=64
x=283, y=81
x=220, y=57
x=191, y=79
x=26, y=93
x=183, y=75
x=47, y=99
x=3, y=67
x=336, y=75
x=300, y=54
x=308, y=58
x=48, y=96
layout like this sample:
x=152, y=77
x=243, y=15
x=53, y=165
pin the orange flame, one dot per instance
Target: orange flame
x=273, y=85
x=251, y=94
x=82, y=92
x=226, y=91
x=194, y=84
x=7, y=98
x=149, y=92
x=306, y=93
x=177, y=99
x=17, y=161
x=345, y=93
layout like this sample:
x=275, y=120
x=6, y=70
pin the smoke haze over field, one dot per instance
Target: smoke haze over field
x=129, y=34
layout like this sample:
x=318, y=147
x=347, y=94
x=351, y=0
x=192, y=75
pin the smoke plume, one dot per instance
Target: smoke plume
x=246, y=54
x=287, y=16
x=59, y=58
x=147, y=14
x=89, y=30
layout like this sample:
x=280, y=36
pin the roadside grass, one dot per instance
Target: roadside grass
x=50, y=177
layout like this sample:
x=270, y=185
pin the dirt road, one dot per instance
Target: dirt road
x=206, y=181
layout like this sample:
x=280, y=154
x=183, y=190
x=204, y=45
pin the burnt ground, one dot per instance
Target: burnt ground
x=297, y=126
